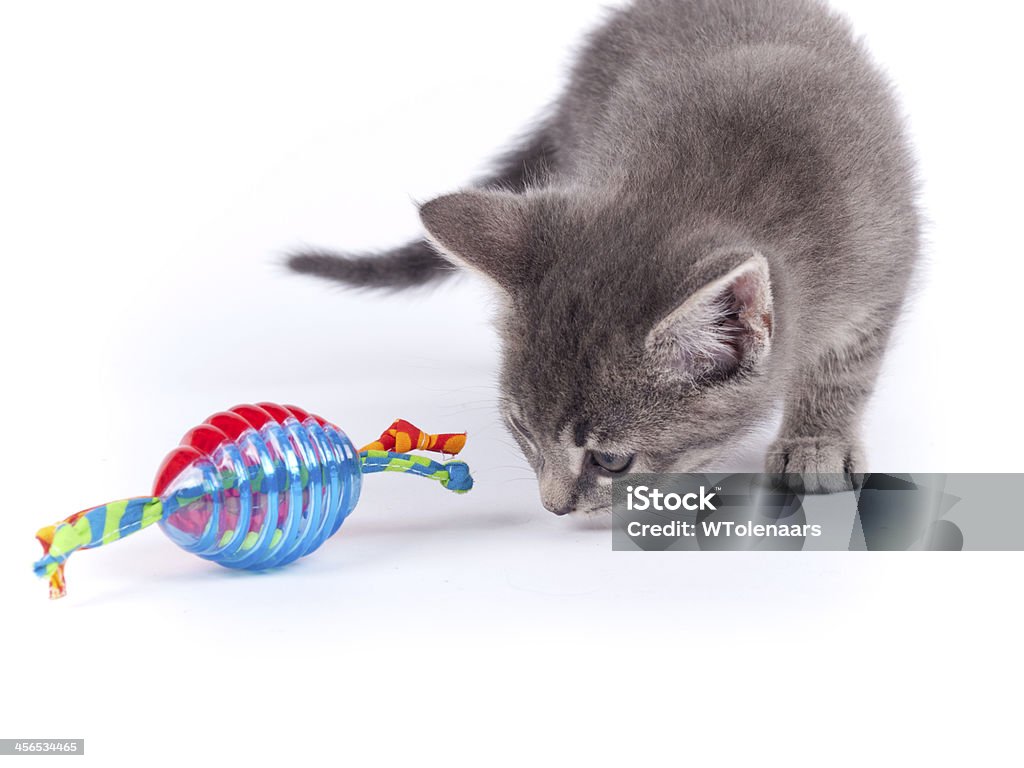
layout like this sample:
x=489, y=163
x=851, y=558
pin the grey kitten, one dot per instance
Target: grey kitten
x=718, y=216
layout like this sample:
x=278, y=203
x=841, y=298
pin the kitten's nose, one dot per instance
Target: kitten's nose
x=554, y=494
x=564, y=510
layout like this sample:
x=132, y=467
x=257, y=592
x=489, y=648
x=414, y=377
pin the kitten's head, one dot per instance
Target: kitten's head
x=630, y=345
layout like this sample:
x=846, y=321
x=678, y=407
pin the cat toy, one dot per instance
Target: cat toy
x=254, y=487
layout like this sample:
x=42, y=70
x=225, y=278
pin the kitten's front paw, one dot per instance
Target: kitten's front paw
x=823, y=464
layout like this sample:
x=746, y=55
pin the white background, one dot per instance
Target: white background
x=154, y=166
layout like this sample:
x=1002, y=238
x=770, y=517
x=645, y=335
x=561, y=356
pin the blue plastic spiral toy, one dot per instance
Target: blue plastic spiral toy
x=254, y=487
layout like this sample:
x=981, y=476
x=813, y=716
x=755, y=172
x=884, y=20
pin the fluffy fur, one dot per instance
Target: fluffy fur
x=718, y=216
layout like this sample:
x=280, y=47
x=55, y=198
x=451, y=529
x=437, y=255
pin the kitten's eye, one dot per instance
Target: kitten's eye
x=610, y=463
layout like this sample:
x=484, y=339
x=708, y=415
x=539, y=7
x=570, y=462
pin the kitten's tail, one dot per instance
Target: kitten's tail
x=417, y=263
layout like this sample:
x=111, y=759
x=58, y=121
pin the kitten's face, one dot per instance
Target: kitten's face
x=613, y=361
x=586, y=400
x=579, y=441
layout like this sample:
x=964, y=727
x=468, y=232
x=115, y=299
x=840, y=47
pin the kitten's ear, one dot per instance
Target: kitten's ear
x=483, y=231
x=723, y=328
